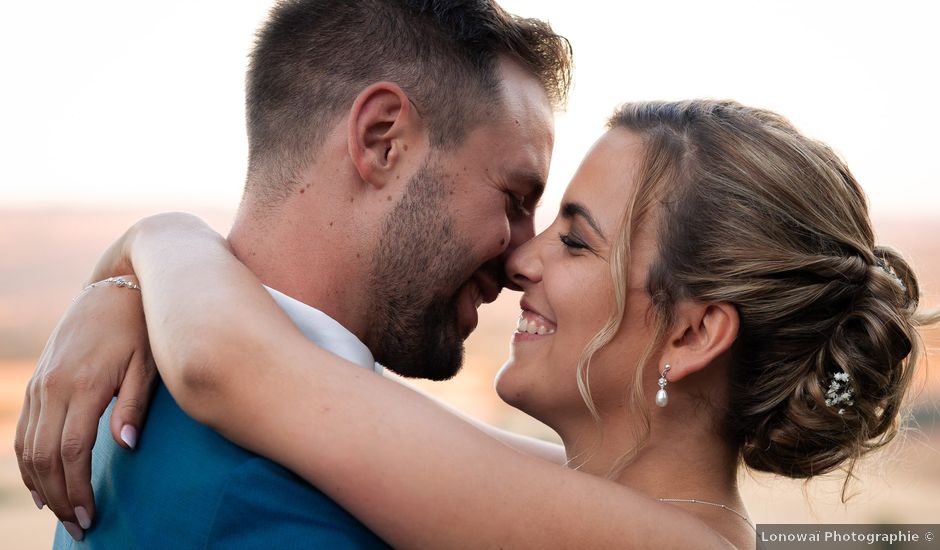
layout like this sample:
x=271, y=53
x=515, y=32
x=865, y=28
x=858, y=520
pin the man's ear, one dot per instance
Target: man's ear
x=385, y=133
x=701, y=334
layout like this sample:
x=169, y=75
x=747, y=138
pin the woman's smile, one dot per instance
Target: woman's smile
x=532, y=325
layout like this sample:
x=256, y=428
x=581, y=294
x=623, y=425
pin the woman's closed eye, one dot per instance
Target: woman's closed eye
x=572, y=243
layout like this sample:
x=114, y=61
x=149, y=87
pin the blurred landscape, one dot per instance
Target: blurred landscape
x=46, y=255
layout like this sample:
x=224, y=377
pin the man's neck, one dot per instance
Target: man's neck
x=296, y=257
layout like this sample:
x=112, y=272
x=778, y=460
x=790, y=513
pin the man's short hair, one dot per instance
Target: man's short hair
x=313, y=57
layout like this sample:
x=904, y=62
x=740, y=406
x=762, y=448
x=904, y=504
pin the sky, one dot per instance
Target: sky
x=133, y=104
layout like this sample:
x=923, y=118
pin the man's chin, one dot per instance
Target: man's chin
x=438, y=356
x=436, y=367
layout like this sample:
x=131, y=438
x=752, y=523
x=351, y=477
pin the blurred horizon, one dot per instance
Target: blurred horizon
x=49, y=253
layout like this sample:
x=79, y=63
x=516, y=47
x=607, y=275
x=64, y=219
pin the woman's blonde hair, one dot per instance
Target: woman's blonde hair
x=750, y=212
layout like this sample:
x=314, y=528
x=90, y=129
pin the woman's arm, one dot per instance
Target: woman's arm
x=100, y=349
x=546, y=450
x=416, y=475
x=117, y=259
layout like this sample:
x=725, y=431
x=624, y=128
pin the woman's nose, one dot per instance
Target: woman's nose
x=524, y=265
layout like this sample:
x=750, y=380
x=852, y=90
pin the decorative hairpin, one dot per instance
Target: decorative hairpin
x=890, y=271
x=839, y=393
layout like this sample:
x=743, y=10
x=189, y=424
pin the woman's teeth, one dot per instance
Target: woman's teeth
x=531, y=327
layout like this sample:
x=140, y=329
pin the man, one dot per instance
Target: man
x=396, y=151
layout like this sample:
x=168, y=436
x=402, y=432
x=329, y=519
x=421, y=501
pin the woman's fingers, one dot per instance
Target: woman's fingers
x=20, y=448
x=78, y=439
x=133, y=400
x=46, y=453
x=29, y=440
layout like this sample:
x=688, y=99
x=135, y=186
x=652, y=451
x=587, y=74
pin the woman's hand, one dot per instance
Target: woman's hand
x=98, y=350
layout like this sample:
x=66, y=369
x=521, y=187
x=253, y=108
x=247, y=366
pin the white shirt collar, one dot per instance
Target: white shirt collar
x=325, y=331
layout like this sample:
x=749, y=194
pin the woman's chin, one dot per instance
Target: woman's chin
x=508, y=386
x=517, y=388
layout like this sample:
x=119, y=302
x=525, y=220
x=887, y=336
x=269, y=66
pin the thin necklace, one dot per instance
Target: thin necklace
x=696, y=501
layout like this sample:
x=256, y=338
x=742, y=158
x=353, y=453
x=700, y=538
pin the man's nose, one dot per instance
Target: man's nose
x=521, y=231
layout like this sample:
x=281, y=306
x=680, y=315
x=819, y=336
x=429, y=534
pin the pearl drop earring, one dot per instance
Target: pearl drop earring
x=662, y=398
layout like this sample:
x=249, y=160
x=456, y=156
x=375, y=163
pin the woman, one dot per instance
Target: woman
x=709, y=295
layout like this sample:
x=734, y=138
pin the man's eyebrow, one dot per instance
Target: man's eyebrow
x=572, y=209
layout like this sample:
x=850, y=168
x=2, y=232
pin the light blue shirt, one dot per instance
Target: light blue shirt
x=326, y=332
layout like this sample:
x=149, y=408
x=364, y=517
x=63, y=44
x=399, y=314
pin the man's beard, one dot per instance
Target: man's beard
x=419, y=265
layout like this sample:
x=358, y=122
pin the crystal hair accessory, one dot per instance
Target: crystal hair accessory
x=890, y=271
x=839, y=393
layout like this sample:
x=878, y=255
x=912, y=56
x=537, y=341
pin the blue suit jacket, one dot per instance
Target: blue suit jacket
x=187, y=487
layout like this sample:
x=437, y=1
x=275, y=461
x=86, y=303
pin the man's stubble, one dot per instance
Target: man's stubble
x=419, y=265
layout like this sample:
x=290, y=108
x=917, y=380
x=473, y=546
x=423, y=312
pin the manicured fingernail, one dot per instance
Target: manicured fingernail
x=74, y=531
x=37, y=500
x=129, y=435
x=83, y=518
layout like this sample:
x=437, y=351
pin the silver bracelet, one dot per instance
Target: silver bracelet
x=116, y=281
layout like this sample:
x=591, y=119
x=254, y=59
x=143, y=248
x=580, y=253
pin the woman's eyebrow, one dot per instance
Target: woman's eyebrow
x=571, y=209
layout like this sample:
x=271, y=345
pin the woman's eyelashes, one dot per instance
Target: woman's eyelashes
x=572, y=243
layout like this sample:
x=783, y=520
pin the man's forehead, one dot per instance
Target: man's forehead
x=531, y=153
x=515, y=146
x=522, y=95
x=524, y=137
x=518, y=154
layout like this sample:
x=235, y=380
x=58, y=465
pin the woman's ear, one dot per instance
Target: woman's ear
x=702, y=333
x=385, y=134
